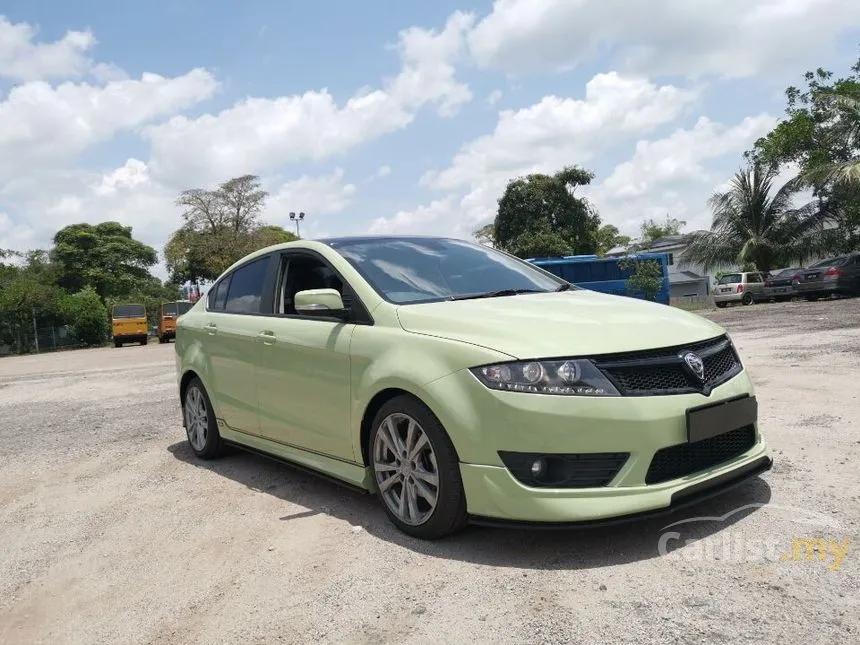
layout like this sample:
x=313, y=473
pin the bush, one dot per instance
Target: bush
x=646, y=278
x=87, y=316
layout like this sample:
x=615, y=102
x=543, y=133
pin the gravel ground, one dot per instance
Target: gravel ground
x=113, y=533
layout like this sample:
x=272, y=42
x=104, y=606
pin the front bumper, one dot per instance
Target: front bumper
x=482, y=422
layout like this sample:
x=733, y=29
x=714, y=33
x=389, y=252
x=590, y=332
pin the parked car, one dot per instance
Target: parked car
x=782, y=286
x=839, y=275
x=461, y=384
x=742, y=287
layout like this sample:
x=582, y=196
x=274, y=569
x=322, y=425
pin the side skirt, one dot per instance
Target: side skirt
x=353, y=476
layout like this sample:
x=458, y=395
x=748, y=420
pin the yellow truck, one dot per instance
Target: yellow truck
x=167, y=316
x=128, y=324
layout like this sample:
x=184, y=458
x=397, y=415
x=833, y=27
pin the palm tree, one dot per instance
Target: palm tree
x=754, y=225
x=847, y=129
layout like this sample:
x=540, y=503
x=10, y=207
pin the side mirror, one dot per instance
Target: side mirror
x=320, y=302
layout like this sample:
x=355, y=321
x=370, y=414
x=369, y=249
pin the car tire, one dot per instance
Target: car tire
x=721, y=305
x=812, y=298
x=144, y=341
x=201, y=428
x=436, y=461
x=747, y=299
x=117, y=344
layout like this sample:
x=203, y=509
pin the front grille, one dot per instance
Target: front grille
x=688, y=458
x=662, y=372
x=579, y=470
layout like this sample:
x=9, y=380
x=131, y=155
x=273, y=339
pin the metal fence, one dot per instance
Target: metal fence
x=27, y=339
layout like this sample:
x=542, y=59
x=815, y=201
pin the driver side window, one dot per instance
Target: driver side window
x=300, y=273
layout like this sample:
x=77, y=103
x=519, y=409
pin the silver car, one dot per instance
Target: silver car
x=741, y=287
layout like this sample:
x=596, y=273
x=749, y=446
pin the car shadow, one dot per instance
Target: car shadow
x=525, y=548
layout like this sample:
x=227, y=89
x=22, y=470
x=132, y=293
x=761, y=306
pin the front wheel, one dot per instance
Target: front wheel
x=200, y=424
x=416, y=470
x=721, y=305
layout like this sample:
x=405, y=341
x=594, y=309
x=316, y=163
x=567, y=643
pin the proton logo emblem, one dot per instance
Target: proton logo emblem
x=695, y=365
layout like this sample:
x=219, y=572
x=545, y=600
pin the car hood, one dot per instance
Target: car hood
x=570, y=323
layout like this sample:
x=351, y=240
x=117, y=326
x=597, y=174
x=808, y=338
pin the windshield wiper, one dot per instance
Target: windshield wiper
x=563, y=287
x=497, y=294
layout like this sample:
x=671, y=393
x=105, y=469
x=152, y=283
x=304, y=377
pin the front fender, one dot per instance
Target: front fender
x=385, y=358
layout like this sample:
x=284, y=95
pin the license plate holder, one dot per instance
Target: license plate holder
x=713, y=419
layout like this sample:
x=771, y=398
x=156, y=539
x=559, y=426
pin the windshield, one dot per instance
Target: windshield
x=407, y=270
x=731, y=278
x=129, y=311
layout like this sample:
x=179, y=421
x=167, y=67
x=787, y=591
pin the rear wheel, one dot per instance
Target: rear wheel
x=721, y=305
x=747, y=299
x=144, y=340
x=200, y=424
x=416, y=470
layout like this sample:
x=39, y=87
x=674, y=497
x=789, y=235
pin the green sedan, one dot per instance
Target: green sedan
x=460, y=384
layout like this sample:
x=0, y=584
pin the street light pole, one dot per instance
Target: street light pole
x=297, y=218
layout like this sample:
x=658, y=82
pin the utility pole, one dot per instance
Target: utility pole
x=35, y=331
x=297, y=218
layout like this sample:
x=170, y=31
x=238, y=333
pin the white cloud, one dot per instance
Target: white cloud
x=43, y=125
x=672, y=176
x=423, y=219
x=314, y=195
x=727, y=38
x=494, y=97
x=548, y=134
x=260, y=133
x=383, y=172
x=22, y=59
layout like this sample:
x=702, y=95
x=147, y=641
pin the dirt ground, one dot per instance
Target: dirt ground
x=111, y=532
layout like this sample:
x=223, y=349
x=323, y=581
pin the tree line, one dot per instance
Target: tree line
x=756, y=224
x=91, y=267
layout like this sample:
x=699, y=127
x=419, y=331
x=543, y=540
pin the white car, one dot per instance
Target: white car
x=741, y=287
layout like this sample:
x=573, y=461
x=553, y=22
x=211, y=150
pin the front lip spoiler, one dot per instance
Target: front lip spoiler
x=682, y=499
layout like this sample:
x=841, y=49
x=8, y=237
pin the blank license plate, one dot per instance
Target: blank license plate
x=710, y=420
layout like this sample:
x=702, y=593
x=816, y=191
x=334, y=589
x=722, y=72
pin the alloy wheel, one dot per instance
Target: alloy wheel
x=407, y=475
x=196, y=418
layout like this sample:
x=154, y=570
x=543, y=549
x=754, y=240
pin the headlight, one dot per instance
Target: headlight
x=563, y=378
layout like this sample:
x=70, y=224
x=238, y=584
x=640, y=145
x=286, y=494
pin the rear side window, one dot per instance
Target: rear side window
x=246, y=288
x=218, y=295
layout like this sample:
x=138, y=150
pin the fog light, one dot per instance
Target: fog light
x=538, y=467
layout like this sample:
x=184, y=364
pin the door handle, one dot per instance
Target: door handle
x=211, y=328
x=268, y=337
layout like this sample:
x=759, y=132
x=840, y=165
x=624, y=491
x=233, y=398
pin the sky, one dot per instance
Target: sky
x=405, y=117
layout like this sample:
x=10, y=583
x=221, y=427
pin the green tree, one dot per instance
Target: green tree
x=645, y=277
x=26, y=287
x=608, y=237
x=653, y=231
x=753, y=223
x=540, y=215
x=821, y=135
x=486, y=234
x=87, y=315
x=220, y=226
x=103, y=256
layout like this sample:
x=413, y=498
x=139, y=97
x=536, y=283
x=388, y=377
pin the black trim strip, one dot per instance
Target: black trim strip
x=686, y=497
x=298, y=466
